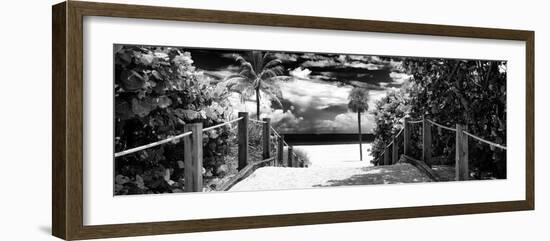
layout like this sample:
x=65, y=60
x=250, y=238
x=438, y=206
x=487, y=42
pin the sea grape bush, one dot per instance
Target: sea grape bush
x=157, y=91
x=388, y=114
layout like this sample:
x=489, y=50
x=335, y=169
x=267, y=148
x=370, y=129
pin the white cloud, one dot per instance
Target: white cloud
x=319, y=63
x=369, y=66
x=400, y=78
x=313, y=93
x=347, y=122
x=266, y=110
x=300, y=73
x=285, y=56
x=286, y=117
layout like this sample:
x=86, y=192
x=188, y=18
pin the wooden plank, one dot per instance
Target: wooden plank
x=242, y=136
x=74, y=133
x=360, y=136
x=395, y=151
x=420, y=165
x=266, y=138
x=426, y=142
x=386, y=156
x=244, y=173
x=59, y=124
x=461, y=155
x=193, y=158
x=290, y=161
x=280, y=150
x=406, y=137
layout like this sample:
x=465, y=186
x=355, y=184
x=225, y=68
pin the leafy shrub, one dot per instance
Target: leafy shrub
x=302, y=155
x=157, y=91
x=450, y=91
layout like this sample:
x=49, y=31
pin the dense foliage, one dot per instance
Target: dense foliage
x=389, y=113
x=449, y=91
x=302, y=155
x=157, y=91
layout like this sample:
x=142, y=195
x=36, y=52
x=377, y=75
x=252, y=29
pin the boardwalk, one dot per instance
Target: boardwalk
x=270, y=178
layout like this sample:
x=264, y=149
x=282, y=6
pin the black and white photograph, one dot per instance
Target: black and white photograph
x=191, y=119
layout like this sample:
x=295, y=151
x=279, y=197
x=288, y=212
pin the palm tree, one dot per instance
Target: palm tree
x=257, y=73
x=358, y=102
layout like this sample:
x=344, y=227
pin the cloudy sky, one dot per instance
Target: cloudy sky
x=315, y=98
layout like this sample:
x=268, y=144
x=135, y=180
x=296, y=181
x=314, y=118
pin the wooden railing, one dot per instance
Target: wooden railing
x=404, y=137
x=193, y=148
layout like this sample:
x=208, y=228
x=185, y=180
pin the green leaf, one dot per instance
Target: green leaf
x=147, y=59
x=123, y=110
x=131, y=80
x=187, y=114
x=156, y=74
x=141, y=108
x=163, y=102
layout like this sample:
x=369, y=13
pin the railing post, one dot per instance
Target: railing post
x=243, y=140
x=386, y=156
x=406, y=137
x=426, y=141
x=280, y=149
x=461, y=165
x=290, y=161
x=395, y=150
x=266, y=136
x=193, y=158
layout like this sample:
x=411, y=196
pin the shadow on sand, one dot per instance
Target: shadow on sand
x=401, y=173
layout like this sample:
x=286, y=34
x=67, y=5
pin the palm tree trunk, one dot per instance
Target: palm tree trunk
x=360, y=136
x=258, y=103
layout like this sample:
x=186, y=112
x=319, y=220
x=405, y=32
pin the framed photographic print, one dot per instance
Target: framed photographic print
x=217, y=120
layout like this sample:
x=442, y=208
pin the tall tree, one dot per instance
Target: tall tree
x=358, y=103
x=257, y=73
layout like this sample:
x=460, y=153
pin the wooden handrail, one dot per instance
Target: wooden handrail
x=485, y=141
x=462, y=172
x=140, y=148
x=222, y=124
x=170, y=139
x=193, y=149
x=442, y=126
x=257, y=121
x=243, y=173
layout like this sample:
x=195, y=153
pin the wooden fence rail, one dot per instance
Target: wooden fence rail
x=193, y=151
x=461, y=156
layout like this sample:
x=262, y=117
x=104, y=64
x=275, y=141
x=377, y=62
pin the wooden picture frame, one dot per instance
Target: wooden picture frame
x=67, y=149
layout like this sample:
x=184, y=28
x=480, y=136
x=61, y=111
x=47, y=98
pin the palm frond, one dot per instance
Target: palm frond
x=248, y=73
x=236, y=79
x=242, y=89
x=271, y=72
x=273, y=63
x=358, y=100
x=238, y=58
x=246, y=66
x=272, y=88
x=273, y=96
